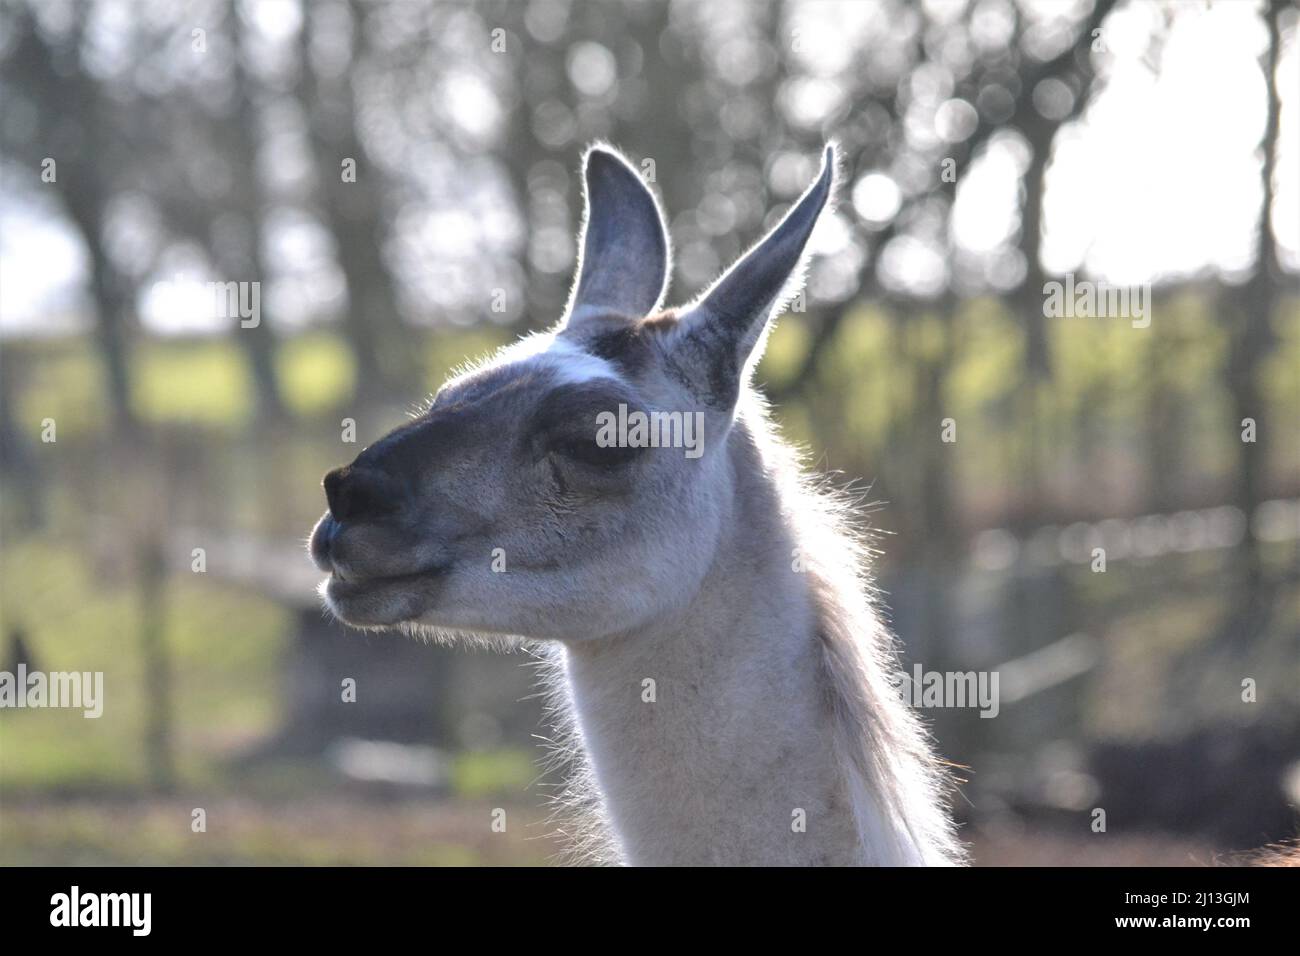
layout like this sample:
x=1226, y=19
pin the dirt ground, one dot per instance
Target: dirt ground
x=339, y=830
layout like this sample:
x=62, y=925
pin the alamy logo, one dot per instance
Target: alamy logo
x=56, y=689
x=229, y=300
x=75, y=908
x=651, y=430
x=1097, y=300
x=960, y=689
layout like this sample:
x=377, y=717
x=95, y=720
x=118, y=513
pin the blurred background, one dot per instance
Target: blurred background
x=398, y=183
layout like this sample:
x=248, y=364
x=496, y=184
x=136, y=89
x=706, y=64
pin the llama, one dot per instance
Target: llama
x=727, y=679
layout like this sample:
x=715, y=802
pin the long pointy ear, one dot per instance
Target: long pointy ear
x=728, y=321
x=623, y=267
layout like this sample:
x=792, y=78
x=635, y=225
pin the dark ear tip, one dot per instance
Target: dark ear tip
x=830, y=162
x=604, y=161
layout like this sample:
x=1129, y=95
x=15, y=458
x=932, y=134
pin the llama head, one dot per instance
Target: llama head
x=575, y=485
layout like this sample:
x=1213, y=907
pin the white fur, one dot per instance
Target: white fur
x=570, y=363
x=738, y=739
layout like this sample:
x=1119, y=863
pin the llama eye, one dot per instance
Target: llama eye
x=585, y=450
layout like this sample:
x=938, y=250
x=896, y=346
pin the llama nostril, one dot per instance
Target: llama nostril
x=358, y=493
x=334, y=491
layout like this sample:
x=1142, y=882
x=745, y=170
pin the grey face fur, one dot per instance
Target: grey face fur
x=496, y=512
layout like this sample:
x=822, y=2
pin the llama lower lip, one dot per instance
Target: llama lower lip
x=380, y=601
x=340, y=586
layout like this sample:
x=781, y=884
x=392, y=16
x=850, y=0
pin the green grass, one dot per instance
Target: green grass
x=315, y=370
x=206, y=381
x=303, y=831
x=206, y=384
x=223, y=645
x=60, y=380
x=75, y=790
x=487, y=773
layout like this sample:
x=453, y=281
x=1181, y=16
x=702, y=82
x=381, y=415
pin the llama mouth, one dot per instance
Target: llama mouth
x=379, y=601
x=361, y=583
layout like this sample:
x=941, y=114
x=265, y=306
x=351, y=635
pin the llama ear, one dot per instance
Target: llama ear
x=624, y=246
x=729, y=319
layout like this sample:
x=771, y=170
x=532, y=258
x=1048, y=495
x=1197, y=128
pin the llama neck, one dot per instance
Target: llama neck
x=732, y=755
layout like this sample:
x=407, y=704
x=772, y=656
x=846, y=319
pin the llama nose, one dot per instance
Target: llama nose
x=355, y=494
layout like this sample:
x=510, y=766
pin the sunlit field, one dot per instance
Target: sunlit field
x=1044, y=332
